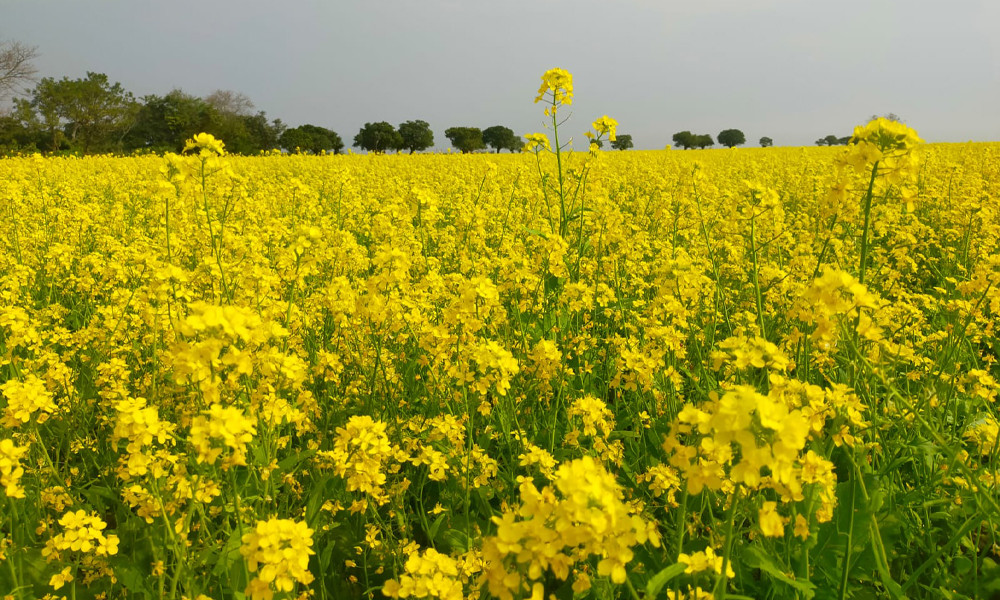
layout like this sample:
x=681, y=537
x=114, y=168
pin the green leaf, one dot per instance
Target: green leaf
x=753, y=557
x=656, y=582
x=133, y=580
x=230, y=552
x=295, y=459
x=433, y=529
x=962, y=565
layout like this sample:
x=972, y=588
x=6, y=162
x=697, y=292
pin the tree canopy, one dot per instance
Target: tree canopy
x=686, y=139
x=500, y=138
x=378, y=137
x=164, y=122
x=89, y=113
x=832, y=140
x=312, y=139
x=766, y=142
x=731, y=137
x=623, y=141
x=465, y=139
x=416, y=136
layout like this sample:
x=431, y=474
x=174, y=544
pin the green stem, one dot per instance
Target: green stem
x=850, y=541
x=14, y=547
x=680, y=524
x=720, y=297
x=631, y=589
x=758, y=296
x=723, y=582
x=562, y=193
x=864, y=235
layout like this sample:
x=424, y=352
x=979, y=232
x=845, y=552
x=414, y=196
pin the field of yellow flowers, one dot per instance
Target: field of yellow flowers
x=713, y=374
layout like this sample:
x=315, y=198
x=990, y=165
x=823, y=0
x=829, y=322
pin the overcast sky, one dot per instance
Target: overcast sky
x=793, y=70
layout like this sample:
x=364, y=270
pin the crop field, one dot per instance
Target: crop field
x=748, y=373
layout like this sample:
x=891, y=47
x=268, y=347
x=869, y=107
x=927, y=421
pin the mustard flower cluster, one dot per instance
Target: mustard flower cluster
x=11, y=470
x=744, y=438
x=559, y=528
x=25, y=399
x=558, y=83
x=360, y=452
x=222, y=429
x=206, y=144
x=278, y=551
x=139, y=425
x=428, y=574
x=592, y=423
x=82, y=533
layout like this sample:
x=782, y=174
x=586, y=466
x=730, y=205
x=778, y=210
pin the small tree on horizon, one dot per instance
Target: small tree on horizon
x=732, y=137
x=684, y=139
x=832, y=140
x=378, y=137
x=703, y=141
x=766, y=142
x=416, y=136
x=465, y=139
x=500, y=138
x=623, y=141
x=312, y=139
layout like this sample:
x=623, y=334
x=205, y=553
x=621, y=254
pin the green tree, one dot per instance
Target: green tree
x=378, y=138
x=832, y=140
x=623, y=141
x=466, y=139
x=500, y=138
x=311, y=138
x=732, y=137
x=91, y=114
x=164, y=123
x=684, y=139
x=703, y=141
x=766, y=142
x=20, y=129
x=416, y=136
x=261, y=133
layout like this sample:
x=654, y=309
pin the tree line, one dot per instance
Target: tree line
x=93, y=115
x=734, y=137
x=727, y=137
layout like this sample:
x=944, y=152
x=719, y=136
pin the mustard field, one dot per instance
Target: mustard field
x=747, y=373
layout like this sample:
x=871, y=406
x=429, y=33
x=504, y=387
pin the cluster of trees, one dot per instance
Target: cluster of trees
x=92, y=114
x=417, y=135
x=686, y=140
x=727, y=137
x=832, y=140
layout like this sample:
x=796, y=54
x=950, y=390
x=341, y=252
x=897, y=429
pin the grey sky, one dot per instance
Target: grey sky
x=791, y=70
